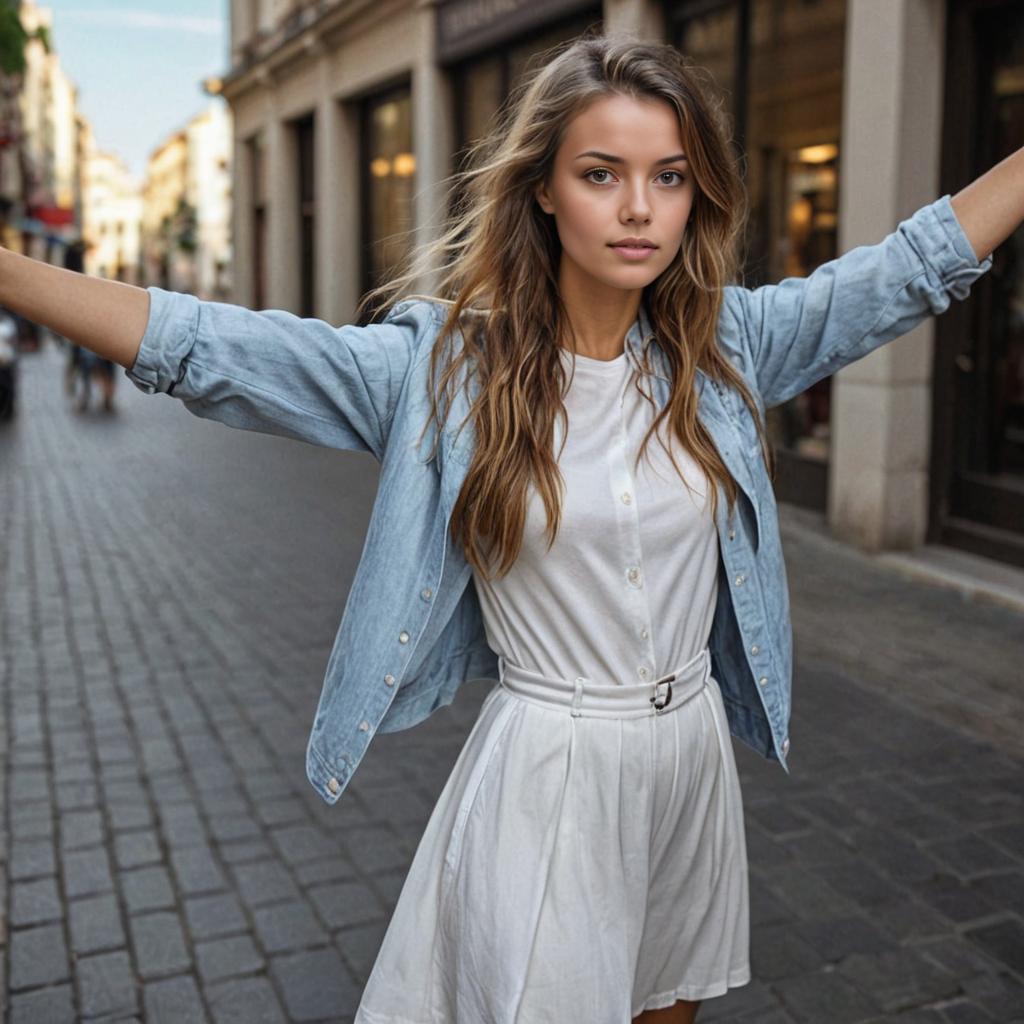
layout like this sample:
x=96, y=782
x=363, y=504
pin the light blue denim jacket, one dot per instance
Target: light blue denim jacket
x=412, y=629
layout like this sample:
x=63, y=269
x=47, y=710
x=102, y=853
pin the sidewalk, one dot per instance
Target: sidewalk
x=170, y=592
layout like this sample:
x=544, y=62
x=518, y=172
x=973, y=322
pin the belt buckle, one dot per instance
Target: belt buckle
x=667, y=681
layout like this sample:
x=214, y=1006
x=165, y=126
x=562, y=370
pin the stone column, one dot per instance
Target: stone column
x=433, y=137
x=889, y=167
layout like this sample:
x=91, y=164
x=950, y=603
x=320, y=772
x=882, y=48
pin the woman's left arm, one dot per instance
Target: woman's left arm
x=991, y=208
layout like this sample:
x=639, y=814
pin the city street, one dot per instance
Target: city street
x=170, y=593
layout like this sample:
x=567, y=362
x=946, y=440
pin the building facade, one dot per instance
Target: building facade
x=848, y=114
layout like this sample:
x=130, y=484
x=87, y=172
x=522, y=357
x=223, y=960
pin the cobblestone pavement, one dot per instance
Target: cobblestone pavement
x=171, y=589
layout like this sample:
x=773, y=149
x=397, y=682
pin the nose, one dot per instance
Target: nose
x=637, y=206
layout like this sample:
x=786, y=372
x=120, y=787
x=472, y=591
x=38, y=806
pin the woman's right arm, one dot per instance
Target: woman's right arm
x=107, y=317
x=269, y=371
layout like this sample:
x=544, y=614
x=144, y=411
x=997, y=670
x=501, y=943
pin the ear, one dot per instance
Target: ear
x=541, y=194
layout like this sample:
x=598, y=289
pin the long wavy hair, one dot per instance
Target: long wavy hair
x=513, y=345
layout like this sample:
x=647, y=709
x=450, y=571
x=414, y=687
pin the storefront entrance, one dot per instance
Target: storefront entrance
x=978, y=416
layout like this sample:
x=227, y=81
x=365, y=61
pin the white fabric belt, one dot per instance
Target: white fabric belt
x=580, y=696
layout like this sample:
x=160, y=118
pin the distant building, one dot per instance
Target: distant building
x=111, y=215
x=187, y=207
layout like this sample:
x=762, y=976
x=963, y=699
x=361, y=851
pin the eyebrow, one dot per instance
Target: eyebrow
x=618, y=159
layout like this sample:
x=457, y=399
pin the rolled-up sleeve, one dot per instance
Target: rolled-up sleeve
x=277, y=373
x=802, y=329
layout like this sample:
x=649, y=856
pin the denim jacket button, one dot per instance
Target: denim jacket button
x=739, y=580
x=333, y=785
x=754, y=649
x=763, y=681
x=389, y=679
x=403, y=637
x=785, y=745
x=425, y=593
x=364, y=725
x=732, y=535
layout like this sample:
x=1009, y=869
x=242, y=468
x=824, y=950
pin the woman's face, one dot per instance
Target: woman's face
x=637, y=185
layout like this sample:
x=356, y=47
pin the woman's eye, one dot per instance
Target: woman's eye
x=602, y=170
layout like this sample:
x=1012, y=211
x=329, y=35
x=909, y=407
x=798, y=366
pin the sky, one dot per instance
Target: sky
x=139, y=66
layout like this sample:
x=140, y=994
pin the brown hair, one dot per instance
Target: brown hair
x=513, y=347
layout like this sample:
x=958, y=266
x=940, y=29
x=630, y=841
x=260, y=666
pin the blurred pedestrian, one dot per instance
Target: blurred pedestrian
x=83, y=366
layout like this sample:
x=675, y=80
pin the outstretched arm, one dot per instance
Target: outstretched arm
x=991, y=208
x=107, y=317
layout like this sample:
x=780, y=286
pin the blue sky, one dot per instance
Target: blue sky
x=139, y=64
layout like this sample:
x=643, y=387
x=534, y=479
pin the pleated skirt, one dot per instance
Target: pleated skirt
x=586, y=860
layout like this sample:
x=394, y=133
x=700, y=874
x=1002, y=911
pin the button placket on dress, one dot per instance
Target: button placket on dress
x=628, y=514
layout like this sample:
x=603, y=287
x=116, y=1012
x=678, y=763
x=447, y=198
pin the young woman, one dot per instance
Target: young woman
x=586, y=859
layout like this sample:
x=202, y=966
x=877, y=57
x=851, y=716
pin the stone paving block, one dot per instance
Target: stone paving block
x=299, y=843
x=777, y=952
x=374, y=846
x=859, y=883
x=146, y=889
x=898, y=979
x=196, y=870
x=287, y=811
x=285, y=927
x=808, y=897
x=39, y=956
x=79, y=829
x=263, y=882
x=345, y=904
x=226, y=829
x=130, y=816
x=181, y=826
x=825, y=996
x=31, y=858
x=315, y=984
x=244, y=1001
x=225, y=958
x=963, y=1011
x=956, y=900
x=30, y=822
x=106, y=985
x=174, y=1001
x=839, y=936
x=245, y=851
x=136, y=849
x=35, y=902
x=1004, y=940
x=76, y=794
x=86, y=872
x=359, y=946
x=970, y=855
x=159, y=944
x=95, y=924
x=208, y=917
x=1004, y=890
x=43, y=1006
x=333, y=870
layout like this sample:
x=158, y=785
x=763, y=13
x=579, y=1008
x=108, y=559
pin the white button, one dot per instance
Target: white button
x=643, y=672
x=763, y=680
x=389, y=679
x=333, y=785
x=403, y=637
x=626, y=498
x=364, y=725
x=754, y=649
x=732, y=535
x=739, y=580
x=425, y=593
x=643, y=633
x=785, y=746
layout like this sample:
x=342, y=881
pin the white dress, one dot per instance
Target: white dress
x=585, y=866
